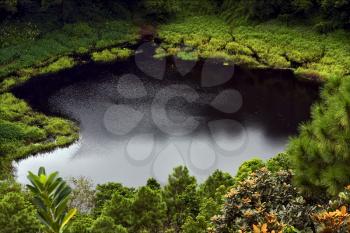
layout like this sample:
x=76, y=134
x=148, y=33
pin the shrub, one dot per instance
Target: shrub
x=111, y=55
x=248, y=167
x=61, y=64
x=17, y=215
x=264, y=198
x=333, y=222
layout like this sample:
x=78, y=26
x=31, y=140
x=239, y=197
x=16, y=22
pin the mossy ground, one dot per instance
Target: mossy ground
x=273, y=44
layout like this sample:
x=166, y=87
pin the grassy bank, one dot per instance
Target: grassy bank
x=24, y=132
x=27, y=52
x=59, y=49
x=274, y=45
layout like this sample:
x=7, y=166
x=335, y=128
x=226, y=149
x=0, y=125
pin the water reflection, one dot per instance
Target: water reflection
x=134, y=126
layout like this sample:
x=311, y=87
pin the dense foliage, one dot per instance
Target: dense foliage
x=306, y=36
x=320, y=153
x=330, y=13
x=51, y=196
x=265, y=201
x=274, y=45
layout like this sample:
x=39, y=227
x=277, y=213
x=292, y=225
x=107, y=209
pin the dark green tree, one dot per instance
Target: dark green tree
x=105, y=224
x=149, y=211
x=181, y=197
x=119, y=208
x=213, y=182
x=153, y=184
x=320, y=154
x=17, y=215
x=105, y=192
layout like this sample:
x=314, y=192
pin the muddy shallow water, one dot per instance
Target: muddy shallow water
x=142, y=117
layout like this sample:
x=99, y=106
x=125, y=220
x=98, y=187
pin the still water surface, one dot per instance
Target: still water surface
x=141, y=119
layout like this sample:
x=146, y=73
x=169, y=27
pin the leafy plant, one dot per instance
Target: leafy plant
x=333, y=221
x=17, y=214
x=51, y=197
x=264, y=198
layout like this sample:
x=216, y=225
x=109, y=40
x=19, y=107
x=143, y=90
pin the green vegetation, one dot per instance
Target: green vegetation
x=38, y=45
x=111, y=55
x=54, y=51
x=265, y=199
x=17, y=214
x=270, y=45
x=51, y=195
x=24, y=132
x=325, y=15
x=309, y=37
x=320, y=152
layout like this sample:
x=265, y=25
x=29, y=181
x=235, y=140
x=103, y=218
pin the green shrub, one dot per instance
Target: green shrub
x=248, y=167
x=17, y=215
x=111, y=55
x=264, y=198
x=60, y=64
x=279, y=162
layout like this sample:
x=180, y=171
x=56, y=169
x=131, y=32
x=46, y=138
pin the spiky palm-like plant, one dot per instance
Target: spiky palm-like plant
x=51, y=195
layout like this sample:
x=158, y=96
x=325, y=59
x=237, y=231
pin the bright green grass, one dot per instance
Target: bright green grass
x=272, y=45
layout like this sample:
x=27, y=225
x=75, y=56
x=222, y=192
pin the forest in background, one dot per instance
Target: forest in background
x=302, y=190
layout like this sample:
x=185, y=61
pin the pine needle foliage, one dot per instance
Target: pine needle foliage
x=320, y=155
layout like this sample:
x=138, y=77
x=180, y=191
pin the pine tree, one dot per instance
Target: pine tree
x=320, y=155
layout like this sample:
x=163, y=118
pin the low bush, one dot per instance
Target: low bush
x=264, y=198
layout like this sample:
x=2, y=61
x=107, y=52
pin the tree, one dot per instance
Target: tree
x=214, y=181
x=105, y=192
x=9, y=6
x=83, y=195
x=119, y=208
x=264, y=198
x=248, y=167
x=149, y=210
x=17, y=215
x=105, y=224
x=198, y=225
x=81, y=224
x=153, y=184
x=51, y=197
x=320, y=154
x=181, y=197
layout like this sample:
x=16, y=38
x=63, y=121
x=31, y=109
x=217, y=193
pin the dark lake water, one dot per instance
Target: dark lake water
x=142, y=117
